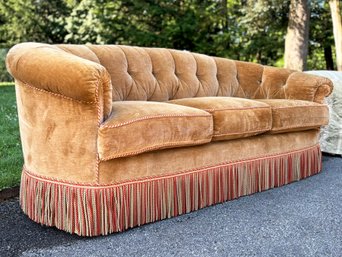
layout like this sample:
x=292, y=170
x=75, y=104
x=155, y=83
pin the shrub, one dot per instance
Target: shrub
x=4, y=75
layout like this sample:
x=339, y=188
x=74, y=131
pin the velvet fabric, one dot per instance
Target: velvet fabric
x=264, y=82
x=67, y=75
x=233, y=117
x=296, y=115
x=140, y=126
x=99, y=210
x=178, y=160
x=65, y=94
x=90, y=117
x=58, y=135
x=158, y=74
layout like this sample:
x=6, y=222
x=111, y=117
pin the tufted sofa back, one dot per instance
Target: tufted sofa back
x=157, y=74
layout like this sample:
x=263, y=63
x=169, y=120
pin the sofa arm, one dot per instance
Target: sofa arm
x=258, y=81
x=308, y=87
x=49, y=68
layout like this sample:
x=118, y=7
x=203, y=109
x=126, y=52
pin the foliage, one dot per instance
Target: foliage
x=321, y=34
x=220, y=28
x=31, y=20
x=248, y=30
x=4, y=75
x=11, y=159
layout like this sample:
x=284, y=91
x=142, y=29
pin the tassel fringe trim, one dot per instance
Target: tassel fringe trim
x=101, y=210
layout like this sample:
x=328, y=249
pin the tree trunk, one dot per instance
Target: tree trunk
x=329, y=62
x=337, y=25
x=297, y=36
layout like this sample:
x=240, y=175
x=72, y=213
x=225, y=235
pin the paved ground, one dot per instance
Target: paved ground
x=300, y=219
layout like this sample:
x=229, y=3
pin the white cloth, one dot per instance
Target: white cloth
x=331, y=135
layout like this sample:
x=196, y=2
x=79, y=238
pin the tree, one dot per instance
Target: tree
x=337, y=26
x=320, y=54
x=246, y=30
x=297, y=37
x=31, y=20
x=262, y=26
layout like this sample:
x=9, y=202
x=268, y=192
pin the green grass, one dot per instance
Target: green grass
x=11, y=159
x=6, y=84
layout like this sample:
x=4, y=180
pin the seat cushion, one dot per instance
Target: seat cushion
x=139, y=126
x=296, y=115
x=233, y=117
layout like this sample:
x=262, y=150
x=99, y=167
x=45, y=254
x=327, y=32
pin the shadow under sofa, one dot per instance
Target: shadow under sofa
x=114, y=137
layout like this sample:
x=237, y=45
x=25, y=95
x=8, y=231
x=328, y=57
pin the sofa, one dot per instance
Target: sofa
x=114, y=136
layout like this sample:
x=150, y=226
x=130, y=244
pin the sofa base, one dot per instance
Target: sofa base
x=91, y=210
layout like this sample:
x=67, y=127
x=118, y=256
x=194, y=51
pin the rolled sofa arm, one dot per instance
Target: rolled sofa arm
x=52, y=69
x=61, y=99
x=258, y=81
x=309, y=87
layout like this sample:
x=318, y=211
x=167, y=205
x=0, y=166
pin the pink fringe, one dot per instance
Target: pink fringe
x=101, y=210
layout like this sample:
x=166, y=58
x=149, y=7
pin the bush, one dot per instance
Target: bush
x=4, y=75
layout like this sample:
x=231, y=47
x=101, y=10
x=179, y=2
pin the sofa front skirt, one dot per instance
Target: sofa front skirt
x=91, y=210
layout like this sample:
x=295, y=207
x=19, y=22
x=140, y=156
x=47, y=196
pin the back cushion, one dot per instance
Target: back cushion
x=157, y=74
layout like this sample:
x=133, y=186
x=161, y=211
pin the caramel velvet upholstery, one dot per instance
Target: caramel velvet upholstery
x=139, y=126
x=156, y=74
x=89, y=83
x=296, y=115
x=68, y=100
x=233, y=117
x=58, y=135
x=95, y=121
x=176, y=161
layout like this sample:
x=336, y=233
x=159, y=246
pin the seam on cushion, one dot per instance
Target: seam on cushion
x=155, y=79
x=94, y=54
x=285, y=86
x=153, y=117
x=261, y=89
x=178, y=80
x=261, y=86
x=143, y=88
x=216, y=77
x=243, y=133
x=284, y=107
x=175, y=174
x=196, y=72
x=236, y=109
x=238, y=79
x=135, y=84
x=297, y=126
x=56, y=95
x=130, y=90
x=155, y=147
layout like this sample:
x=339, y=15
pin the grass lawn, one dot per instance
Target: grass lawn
x=11, y=159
